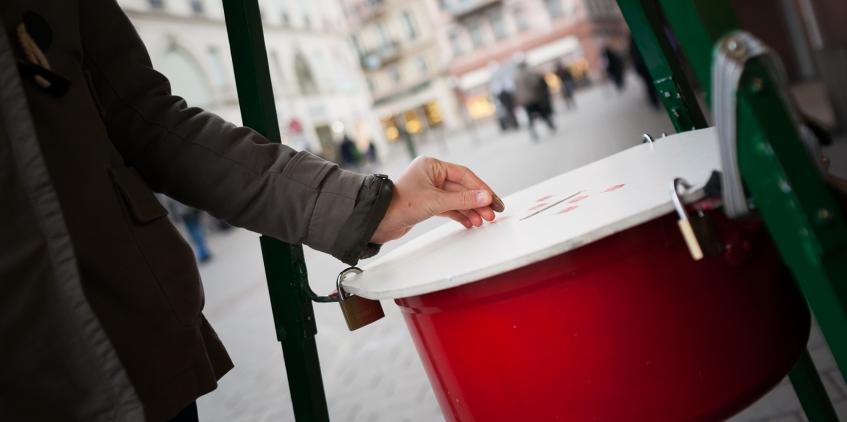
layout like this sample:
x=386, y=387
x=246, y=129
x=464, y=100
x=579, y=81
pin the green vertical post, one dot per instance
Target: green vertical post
x=646, y=23
x=285, y=267
x=809, y=388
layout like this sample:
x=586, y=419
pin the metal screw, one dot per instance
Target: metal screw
x=757, y=85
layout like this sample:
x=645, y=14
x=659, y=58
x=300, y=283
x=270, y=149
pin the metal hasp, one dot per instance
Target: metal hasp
x=646, y=24
x=285, y=267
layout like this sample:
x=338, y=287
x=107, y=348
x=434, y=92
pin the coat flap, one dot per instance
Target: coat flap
x=140, y=200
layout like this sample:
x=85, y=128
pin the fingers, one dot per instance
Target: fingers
x=485, y=212
x=463, y=176
x=459, y=218
x=463, y=201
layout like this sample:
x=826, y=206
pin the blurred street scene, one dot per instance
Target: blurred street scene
x=518, y=90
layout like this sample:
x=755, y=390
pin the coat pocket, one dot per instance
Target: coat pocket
x=164, y=251
x=143, y=205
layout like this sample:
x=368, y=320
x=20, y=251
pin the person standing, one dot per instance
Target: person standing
x=643, y=73
x=614, y=67
x=530, y=94
x=566, y=79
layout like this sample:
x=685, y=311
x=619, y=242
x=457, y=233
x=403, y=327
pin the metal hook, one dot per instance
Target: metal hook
x=341, y=294
x=677, y=203
x=645, y=138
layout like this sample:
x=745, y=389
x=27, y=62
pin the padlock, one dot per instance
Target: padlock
x=358, y=311
x=684, y=222
x=704, y=229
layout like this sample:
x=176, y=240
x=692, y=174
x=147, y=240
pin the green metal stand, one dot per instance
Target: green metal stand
x=647, y=21
x=284, y=264
x=802, y=217
x=809, y=388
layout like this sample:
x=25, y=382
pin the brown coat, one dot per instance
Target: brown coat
x=100, y=298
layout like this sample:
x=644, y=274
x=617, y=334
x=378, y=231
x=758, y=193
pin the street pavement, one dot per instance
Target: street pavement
x=374, y=374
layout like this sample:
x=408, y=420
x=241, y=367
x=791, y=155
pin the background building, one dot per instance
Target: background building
x=318, y=85
x=397, y=44
x=481, y=35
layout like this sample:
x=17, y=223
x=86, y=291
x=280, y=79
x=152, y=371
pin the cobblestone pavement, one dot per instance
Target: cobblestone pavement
x=374, y=374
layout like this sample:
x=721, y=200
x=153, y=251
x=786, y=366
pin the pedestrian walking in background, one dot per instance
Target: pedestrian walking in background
x=614, y=67
x=643, y=73
x=533, y=94
x=349, y=153
x=192, y=220
x=502, y=87
x=567, y=84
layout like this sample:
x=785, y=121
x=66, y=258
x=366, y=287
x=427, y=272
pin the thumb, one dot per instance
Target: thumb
x=464, y=200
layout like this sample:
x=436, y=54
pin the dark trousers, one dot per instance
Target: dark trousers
x=189, y=414
x=537, y=110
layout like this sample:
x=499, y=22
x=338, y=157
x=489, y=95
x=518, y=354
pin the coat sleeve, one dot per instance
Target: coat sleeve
x=232, y=172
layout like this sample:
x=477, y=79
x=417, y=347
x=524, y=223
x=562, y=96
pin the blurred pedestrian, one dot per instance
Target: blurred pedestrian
x=349, y=153
x=643, y=73
x=614, y=67
x=191, y=219
x=102, y=301
x=566, y=79
x=502, y=89
x=505, y=103
x=532, y=93
x=408, y=140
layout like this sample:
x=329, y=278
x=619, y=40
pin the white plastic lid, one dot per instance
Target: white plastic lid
x=548, y=219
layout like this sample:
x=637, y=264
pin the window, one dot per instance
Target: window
x=305, y=78
x=498, y=24
x=197, y=7
x=396, y=76
x=157, y=4
x=554, y=8
x=383, y=34
x=217, y=67
x=279, y=76
x=409, y=24
x=521, y=20
x=423, y=67
x=456, y=43
x=307, y=21
x=285, y=18
x=477, y=36
x=357, y=45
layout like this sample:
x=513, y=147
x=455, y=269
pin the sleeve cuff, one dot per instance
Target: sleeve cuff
x=353, y=242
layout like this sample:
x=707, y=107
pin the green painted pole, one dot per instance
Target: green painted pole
x=646, y=24
x=285, y=267
x=811, y=392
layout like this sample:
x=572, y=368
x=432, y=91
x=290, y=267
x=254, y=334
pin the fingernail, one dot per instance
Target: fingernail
x=483, y=198
x=497, y=204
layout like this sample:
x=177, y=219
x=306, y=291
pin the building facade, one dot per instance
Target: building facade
x=319, y=88
x=398, y=49
x=480, y=36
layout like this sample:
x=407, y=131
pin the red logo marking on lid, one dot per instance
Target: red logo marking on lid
x=568, y=209
x=539, y=206
x=614, y=188
x=543, y=198
x=577, y=199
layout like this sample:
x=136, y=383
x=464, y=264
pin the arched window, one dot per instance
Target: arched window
x=305, y=78
x=188, y=80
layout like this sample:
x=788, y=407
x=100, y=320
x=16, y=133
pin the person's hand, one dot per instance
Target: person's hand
x=431, y=187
